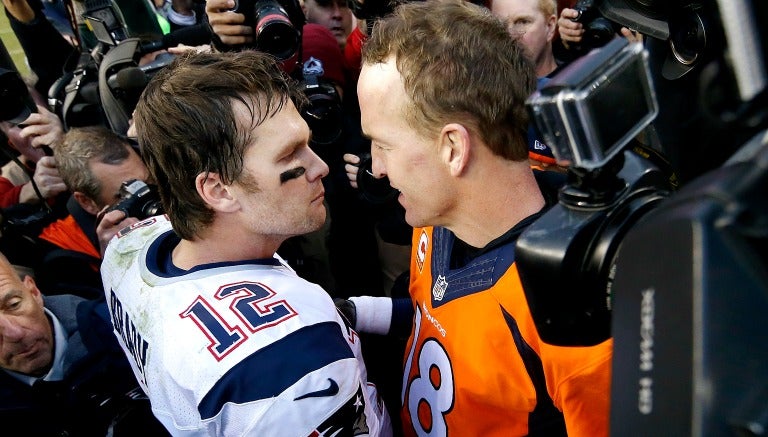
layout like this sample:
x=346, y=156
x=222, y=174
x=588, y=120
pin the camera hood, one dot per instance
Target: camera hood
x=648, y=17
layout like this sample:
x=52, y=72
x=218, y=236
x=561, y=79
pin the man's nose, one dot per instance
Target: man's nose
x=318, y=168
x=377, y=165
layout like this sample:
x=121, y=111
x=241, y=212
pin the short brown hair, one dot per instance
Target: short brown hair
x=458, y=64
x=79, y=147
x=186, y=124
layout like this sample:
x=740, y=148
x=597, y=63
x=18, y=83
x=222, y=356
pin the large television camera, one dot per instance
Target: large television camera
x=104, y=86
x=678, y=278
x=588, y=115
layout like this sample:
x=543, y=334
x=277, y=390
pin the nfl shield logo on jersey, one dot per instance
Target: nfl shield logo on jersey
x=438, y=290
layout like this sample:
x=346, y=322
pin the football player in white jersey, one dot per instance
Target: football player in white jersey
x=222, y=335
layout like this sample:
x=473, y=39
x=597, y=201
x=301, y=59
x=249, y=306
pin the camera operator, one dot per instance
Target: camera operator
x=94, y=162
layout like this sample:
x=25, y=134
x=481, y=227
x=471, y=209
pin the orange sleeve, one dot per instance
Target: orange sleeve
x=66, y=233
x=579, y=382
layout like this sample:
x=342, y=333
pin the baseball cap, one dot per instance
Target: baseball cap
x=319, y=43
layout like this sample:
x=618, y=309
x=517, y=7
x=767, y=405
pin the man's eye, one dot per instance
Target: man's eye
x=14, y=304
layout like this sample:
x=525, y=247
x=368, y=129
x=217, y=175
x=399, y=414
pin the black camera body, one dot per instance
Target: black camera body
x=138, y=199
x=276, y=25
x=323, y=111
x=598, y=30
x=585, y=115
x=677, y=278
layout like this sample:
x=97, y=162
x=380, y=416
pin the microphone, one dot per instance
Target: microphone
x=195, y=35
x=130, y=78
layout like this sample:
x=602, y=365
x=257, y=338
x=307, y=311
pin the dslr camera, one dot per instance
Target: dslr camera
x=138, y=199
x=276, y=25
x=323, y=111
x=598, y=30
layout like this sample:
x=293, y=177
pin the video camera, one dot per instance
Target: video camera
x=323, y=112
x=586, y=117
x=678, y=278
x=104, y=86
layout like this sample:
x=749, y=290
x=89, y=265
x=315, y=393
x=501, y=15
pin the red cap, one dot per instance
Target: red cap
x=318, y=42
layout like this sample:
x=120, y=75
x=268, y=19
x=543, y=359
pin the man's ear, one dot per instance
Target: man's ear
x=86, y=203
x=455, y=147
x=551, y=27
x=31, y=286
x=215, y=193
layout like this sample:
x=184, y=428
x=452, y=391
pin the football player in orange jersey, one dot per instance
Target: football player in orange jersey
x=442, y=93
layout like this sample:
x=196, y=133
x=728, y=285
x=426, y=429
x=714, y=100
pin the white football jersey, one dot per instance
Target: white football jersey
x=236, y=349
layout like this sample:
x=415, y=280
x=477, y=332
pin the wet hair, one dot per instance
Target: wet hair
x=186, y=124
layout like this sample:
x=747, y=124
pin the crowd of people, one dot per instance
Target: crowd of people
x=271, y=296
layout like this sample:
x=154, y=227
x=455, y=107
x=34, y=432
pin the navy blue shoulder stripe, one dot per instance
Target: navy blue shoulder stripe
x=269, y=371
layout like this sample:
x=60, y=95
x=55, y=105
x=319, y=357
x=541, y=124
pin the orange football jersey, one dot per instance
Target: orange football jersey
x=474, y=363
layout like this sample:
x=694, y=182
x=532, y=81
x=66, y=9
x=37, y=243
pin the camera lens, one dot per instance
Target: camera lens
x=373, y=189
x=17, y=103
x=274, y=32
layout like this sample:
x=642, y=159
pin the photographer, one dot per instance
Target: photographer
x=94, y=162
x=460, y=165
x=334, y=15
x=30, y=139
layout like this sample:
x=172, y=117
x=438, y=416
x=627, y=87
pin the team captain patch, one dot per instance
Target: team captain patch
x=421, y=250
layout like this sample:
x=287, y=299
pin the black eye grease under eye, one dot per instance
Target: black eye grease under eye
x=291, y=174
